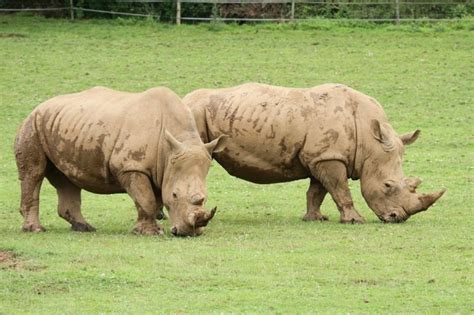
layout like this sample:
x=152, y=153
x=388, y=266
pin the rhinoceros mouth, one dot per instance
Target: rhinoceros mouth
x=194, y=232
x=394, y=217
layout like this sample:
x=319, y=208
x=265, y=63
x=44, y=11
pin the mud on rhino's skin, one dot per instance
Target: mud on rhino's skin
x=328, y=133
x=106, y=141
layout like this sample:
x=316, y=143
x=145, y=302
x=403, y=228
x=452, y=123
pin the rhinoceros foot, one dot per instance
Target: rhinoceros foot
x=147, y=228
x=315, y=216
x=32, y=228
x=160, y=215
x=352, y=218
x=82, y=227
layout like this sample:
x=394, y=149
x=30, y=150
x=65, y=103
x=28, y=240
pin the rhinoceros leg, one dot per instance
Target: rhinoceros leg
x=31, y=162
x=138, y=186
x=69, y=201
x=29, y=208
x=333, y=176
x=314, y=198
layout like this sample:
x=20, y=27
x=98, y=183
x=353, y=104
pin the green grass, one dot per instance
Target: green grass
x=257, y=255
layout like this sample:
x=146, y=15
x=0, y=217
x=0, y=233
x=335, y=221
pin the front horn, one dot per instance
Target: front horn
x=203, y=218
x=426, y=201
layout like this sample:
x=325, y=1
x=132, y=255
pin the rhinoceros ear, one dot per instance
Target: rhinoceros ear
x=381, y=134
x=412, y=183
x=378, y=132
x=410, y=137
x=217, y=145
x=175, y=145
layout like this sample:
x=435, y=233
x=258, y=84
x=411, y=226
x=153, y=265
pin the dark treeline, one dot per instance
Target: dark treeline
x=166, y=11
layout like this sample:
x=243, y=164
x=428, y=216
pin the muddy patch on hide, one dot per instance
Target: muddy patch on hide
x=255, y=122
x=319, y=99
x=282, y=145
x=232, y=118
x=272, y=134
x=349, y=132
x=351, y=104
x=138, y=155
x=338, y=109
x=331, y=136
x=119, y=148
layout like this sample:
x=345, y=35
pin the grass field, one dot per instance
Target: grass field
x=257, y=255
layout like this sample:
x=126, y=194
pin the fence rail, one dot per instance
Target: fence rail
x=290, y=17
x=34, y=9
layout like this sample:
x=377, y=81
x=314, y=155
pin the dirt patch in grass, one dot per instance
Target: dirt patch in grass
x=11, y=260
x=365, y=282
x=12, y=35
x=8, y=260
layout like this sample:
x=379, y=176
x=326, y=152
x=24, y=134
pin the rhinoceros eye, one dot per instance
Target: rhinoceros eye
x=175, y=195
x=390, y=186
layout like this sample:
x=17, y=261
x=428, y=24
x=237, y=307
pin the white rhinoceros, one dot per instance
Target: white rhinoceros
x=106, y=141
x=328, y=133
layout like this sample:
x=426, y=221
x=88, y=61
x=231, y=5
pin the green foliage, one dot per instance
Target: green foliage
x=257, y=255
x=461, y=10
x=166, y=11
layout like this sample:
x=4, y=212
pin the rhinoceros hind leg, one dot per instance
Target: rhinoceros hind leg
x=138, y=186
x=314, y=198
x=69, y=201
x=31, y=162
x=333, y=176
x=29, y=208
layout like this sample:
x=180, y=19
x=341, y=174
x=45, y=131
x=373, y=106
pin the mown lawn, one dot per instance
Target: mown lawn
x=257, y=255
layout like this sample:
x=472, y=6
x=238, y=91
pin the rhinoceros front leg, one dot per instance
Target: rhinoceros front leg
x=333, y=176
x=69, y=201
x=314, y=198
x=138, y=186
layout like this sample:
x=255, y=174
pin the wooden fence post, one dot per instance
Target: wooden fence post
x=397, y=11
x=178, y=12
x=71, y=9
x=292, y=17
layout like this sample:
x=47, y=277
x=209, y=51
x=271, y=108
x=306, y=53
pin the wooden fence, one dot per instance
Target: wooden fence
x=291, y=16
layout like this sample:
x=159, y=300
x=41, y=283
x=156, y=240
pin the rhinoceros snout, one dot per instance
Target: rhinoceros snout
x=393, y=217
x=186, y=232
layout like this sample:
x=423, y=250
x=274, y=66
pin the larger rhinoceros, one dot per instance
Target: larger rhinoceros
x=328, y=133
x=106, y=141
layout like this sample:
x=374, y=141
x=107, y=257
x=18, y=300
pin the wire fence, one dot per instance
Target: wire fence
x=284, y=10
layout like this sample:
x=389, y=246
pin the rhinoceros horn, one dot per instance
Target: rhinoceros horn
x=202, y=218
x=426, y=201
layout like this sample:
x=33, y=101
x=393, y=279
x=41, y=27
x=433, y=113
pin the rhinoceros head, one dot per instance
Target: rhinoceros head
x=184, y=188
x=388, y=192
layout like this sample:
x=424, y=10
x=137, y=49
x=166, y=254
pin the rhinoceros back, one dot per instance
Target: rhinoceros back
x=93, y=135
x=276, y=132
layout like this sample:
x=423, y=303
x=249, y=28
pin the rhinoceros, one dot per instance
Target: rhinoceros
x=328, y=133
x=106, y=141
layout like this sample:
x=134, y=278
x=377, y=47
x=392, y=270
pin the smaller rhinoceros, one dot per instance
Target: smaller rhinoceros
x=106, y=141
x=328, y=133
